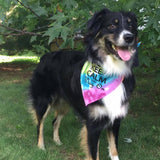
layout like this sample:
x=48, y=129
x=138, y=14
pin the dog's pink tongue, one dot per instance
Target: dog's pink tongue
x=124, y=54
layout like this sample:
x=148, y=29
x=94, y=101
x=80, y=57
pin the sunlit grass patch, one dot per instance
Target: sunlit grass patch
x=12, y=59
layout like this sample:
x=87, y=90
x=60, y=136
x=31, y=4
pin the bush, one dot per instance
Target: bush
x=45, y=21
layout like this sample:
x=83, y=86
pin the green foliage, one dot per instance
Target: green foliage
x=48, y=20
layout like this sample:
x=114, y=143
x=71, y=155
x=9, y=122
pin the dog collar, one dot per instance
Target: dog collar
x=95, y=84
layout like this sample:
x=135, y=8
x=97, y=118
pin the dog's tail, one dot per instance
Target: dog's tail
x=32, y=111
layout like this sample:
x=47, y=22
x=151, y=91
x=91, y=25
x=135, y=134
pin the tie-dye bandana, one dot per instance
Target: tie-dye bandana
x=96, y=85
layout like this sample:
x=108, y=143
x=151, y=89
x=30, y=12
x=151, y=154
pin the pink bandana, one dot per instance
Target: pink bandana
x=96, y=85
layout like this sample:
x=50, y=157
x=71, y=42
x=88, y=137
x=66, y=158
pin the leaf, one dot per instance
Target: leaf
x=155, y=104
x=69, y=4
x=39, y=10
x=59, y=17
x=156, y=26
x=157, y=78
x=64, y=32
x=152, y=37
x=158, y=38
x=7, y=3
x=157, y=4
x=154, y=128
x=1, y=39
x=40, y=48
x=31, y=23
x=33, y=38
x=72, y=43
x=53, y=32
x=144, y=60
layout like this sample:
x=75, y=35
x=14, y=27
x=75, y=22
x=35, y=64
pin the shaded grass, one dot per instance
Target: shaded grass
x=18, y=133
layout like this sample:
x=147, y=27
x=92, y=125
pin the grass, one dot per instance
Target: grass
x=18, y=132
x=20, y=59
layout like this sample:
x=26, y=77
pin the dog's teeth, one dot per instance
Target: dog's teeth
x=113, y=47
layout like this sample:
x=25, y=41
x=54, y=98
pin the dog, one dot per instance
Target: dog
x=66, y=78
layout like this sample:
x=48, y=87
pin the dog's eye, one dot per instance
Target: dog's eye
x=112, y=27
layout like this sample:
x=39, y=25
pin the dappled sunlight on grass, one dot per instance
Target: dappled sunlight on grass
x=10, y=59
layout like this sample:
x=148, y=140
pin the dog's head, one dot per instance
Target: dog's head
x=113, y=37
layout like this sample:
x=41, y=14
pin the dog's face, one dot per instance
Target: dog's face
x=115, y=35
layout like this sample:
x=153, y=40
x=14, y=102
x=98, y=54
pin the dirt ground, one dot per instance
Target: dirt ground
x=15, y=72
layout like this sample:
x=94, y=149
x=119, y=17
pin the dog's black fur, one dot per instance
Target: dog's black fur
x=57, y=78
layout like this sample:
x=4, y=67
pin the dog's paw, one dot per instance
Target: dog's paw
x=57, y=141
x=114, y=158
x=42, y=147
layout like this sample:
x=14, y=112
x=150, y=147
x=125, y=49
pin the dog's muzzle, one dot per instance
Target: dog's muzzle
x=128, y=38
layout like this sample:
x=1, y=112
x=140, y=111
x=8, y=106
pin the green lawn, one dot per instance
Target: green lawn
x=18, y=132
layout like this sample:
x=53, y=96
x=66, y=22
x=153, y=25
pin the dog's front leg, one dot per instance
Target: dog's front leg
x=90, y=142
x=112, y=136
x=113, y=153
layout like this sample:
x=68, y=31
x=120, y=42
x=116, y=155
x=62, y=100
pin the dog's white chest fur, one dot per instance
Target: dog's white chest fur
x=113, y=107
x=113, y=103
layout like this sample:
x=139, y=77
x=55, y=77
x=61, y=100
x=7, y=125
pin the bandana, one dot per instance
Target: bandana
x=95, y=84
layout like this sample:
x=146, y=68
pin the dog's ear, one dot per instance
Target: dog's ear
x=96, y=21
x=133, y=16
x=134, y=19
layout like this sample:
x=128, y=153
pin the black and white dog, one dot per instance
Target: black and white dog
x=111, y=47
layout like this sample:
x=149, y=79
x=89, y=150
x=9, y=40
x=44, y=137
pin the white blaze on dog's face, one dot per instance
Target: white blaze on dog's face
x=125, y=38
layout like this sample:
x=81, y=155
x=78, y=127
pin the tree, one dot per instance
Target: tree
x=39, y=22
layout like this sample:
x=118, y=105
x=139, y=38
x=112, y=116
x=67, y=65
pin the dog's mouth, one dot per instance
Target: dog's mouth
x=123, y=52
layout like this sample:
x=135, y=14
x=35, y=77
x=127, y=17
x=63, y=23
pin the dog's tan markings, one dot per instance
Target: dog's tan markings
x=129, y=20
x=116, y=20
x=84, y=144
x=56, y=130
x=110, y=37
x=101, y=46
x=61, y=109
x=112, y=146
x=40, y=137
x=101, y=42
x=97, y=34
x=41, y=126
x=33, y=114
x=98, y=151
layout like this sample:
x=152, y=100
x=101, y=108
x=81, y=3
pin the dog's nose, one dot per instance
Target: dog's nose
x=128, y=38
